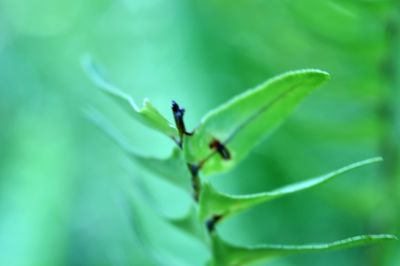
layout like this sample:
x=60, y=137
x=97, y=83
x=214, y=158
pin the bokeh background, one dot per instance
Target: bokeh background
x=69, y=196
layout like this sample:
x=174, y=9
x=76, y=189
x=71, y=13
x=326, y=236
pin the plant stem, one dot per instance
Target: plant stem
x=196, y=183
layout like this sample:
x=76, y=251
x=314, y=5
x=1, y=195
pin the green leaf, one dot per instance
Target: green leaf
x=142, y=221
x=244, y=121
x=191, y=225
x=172, y=169
x=148, y=114
x=231, y=255
x=213, y=202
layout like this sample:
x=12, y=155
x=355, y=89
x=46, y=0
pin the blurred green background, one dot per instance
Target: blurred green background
x=69, y=196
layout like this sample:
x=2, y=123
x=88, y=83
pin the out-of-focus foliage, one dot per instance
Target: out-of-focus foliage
x=70, y=197
x=220, y=134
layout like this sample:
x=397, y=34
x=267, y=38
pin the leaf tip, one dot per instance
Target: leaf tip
x=391, y=237
x=88, y=65
x=146, y=102
x=382, y=237
x=320, y=73
x=372, y=160
x=316, y=76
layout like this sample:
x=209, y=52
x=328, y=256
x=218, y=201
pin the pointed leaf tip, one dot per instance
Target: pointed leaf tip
x=215, y=202
x=241, y=123
x=229, y=254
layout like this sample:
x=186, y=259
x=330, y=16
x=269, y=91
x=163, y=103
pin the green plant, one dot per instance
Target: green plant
x=224, y=137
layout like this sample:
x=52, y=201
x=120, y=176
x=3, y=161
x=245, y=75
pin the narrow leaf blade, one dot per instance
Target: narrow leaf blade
x=214, y=202
x=244, y=121
x=172, y=169
x=147, y=114
x=230, y=255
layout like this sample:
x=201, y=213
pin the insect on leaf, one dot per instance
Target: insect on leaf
x=214, y=202
x=172, y=169
x=244, y=121
x=231, y=255
x=147, y=114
